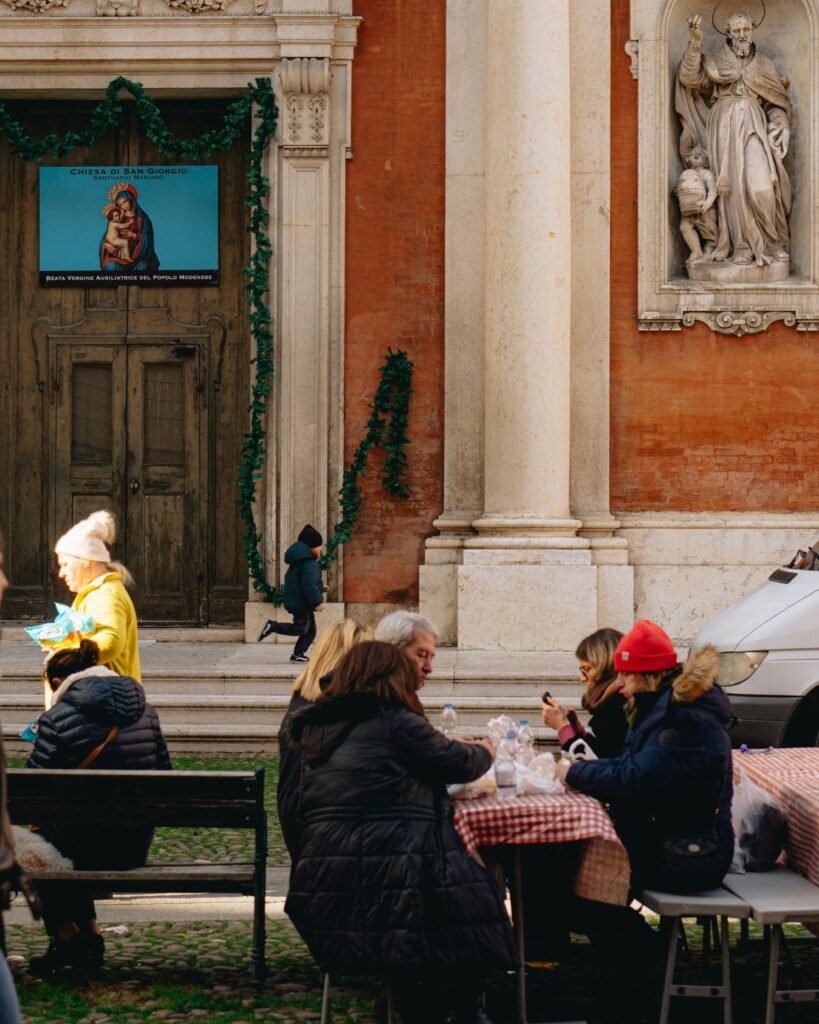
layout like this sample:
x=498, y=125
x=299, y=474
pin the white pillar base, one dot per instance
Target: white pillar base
x=524, y=592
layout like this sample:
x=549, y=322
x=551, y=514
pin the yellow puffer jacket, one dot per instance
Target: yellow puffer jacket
x=108, y=603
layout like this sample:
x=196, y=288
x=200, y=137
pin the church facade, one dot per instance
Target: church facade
x=489, y=185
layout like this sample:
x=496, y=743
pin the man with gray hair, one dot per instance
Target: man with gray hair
x=415, y=635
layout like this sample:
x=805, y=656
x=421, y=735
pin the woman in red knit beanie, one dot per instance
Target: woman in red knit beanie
x=671, y=787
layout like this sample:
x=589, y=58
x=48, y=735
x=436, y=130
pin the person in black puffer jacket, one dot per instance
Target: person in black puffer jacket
x=383, y=883
x=308, y=688
x=99, y=720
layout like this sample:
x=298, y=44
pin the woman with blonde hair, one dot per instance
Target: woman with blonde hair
x=330, y=648
x=98, y=584
x=601, y=699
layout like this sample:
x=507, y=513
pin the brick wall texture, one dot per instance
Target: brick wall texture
x=700, y=420
x=395, y=278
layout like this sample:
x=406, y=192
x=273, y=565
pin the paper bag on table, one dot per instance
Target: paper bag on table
x=538, y=776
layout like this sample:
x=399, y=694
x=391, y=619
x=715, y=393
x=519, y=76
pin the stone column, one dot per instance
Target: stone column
x=527, y=581
x=466, y=62
x=591, y=271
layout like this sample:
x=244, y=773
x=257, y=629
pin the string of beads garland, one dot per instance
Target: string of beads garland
x=392, y=396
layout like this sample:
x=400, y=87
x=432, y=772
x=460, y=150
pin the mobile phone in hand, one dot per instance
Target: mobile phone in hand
x=547, y=697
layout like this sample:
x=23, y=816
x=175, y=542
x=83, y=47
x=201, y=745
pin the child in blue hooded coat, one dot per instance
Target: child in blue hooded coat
x=303, y=593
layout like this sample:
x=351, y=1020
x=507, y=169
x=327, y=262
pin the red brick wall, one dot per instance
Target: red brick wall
x=395, y=278
x=700, y=421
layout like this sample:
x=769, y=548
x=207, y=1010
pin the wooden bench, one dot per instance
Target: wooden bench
x=776, y=897
x=102, y=799
x=672, y=908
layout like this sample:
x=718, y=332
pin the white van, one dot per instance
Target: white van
x=769, y=642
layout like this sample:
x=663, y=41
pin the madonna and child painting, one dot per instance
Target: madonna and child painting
x=128, y=240
x=177, y=242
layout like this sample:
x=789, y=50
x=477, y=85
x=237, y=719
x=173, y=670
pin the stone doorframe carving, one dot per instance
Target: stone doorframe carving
x=308, y=55
x=667, y=300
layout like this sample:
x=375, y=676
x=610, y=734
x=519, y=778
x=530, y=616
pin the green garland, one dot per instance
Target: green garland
x=392, y=401
x=392, y=397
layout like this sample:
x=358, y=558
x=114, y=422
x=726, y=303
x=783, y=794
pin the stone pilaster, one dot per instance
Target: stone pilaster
x=590, y=28
x=307, y=173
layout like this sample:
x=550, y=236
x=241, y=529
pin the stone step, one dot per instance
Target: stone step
x=13, y=632
x=278, y=679
x=222, y=738
x=226, y=696
x=265, y=713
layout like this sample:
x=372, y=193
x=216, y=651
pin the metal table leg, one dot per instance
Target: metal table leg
x=519, y=921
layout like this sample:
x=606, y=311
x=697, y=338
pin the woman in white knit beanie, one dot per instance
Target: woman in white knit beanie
x=99, y=585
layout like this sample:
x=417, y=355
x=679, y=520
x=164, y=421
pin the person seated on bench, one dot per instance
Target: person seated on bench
x=383, y=884
x=97, y=720
x=601, y=699
x=669, y=793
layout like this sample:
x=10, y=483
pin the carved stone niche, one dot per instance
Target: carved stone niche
x=730, y=299
x=306, y=87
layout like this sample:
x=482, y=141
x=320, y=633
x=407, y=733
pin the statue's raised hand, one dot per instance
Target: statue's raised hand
x=694, y=30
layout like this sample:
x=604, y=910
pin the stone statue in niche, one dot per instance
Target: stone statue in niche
x=734, y=106
x=696, y=191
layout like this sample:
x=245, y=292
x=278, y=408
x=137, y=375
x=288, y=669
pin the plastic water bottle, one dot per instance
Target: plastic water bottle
x=505, y=767
x=526, y=742
x=449, y=721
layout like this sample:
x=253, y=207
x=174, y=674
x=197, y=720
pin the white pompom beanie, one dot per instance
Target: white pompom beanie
x=88, y=539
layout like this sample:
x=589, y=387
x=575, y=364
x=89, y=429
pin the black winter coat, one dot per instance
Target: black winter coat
x=287, y=791
x=382, y=881
x=85, y=707
x=607, y=728
x=674, y=778
x=302, y=581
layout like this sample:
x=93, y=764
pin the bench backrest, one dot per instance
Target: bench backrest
x=100, y=798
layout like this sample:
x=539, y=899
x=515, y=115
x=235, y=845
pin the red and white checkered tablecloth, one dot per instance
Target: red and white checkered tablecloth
x=791, y=776
x=567, y=817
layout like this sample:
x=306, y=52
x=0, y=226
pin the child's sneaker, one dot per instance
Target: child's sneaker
x=268, y=628
x=299, y=657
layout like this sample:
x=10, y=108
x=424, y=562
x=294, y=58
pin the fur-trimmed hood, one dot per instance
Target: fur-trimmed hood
x=87, y=673
x=695, y=684
x=698, y=677
x=102, y=696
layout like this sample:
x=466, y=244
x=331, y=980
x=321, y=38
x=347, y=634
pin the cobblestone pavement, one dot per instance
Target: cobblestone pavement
x=175, y=971
x=183, y=971
x=189, y=959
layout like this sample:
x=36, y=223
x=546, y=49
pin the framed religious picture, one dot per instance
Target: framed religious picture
x=129, y=225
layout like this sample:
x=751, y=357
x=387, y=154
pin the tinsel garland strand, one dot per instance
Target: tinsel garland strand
x=392, y=396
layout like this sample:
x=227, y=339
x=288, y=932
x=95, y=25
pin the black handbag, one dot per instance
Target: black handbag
x=693, y=863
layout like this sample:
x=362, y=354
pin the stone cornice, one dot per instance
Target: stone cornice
x=173, y=53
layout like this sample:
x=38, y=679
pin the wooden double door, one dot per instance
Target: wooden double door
x=132, y=398
x=128, y=436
